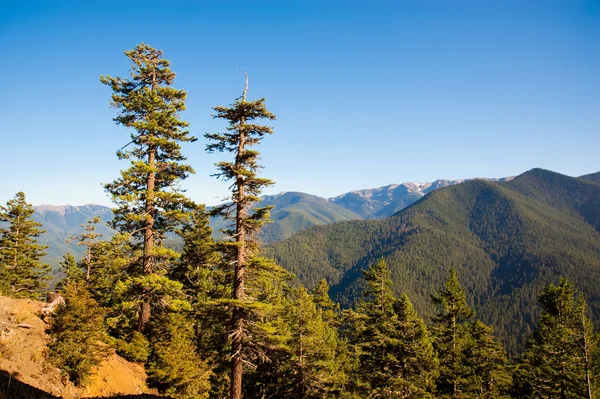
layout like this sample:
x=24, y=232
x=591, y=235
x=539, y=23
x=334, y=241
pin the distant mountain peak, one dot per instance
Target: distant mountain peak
x=65, y=209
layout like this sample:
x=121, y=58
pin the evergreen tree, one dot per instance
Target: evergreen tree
x=397, y=357
x=242, y=134
x=589, y=349
x=26, y=276
x=418, y=360
x=559, y=360
x=88, y=239
x=149, y=201
x=452, y=338
x=378, y=362
x=206, y=283
x=70, y=271
x=199, y=267
x=314, y=370
x=267, y=333
x=490, y=377
x=77, y=332
x=330, y=309
x=111, y=262
x=174, y=365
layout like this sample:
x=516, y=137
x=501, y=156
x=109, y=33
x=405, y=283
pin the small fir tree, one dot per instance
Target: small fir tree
x=418, y=361
x=89, y=240
x=26, y=276
x=70, y=271
x=77, y=332
x=206, y=283
x=490, y=376
x=174, y=365
x=330, y=309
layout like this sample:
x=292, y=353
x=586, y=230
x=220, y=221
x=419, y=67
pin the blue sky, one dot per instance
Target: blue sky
x=366, y=93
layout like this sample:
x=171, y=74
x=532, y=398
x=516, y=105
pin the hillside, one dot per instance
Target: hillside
x=295, y=212
x=595, y=177
x=506, y=240
x=23, y=342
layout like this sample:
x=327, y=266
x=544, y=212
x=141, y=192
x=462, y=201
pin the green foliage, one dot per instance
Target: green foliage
x=315, y=372
x=472, y=363
x=149, y=201
x=561, y=358
x=89, y=240
x=452, y=338
x=174, y=365
x=22, y=273
x=397, y=359
x=418, y=360
x=70, y=271
x=206, y=282
x=77, y=332
x=330, y=309
x=486, y=358
x=135, y=348
x=148, y=104
x=110, y=263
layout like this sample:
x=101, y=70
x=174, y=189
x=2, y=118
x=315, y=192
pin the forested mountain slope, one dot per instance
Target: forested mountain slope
x=595, y=177
x=506, y=240
x=293, y=212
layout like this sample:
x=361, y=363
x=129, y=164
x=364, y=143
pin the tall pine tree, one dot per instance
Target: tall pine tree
x=22, y=272
x=241, y=136
x=148, y=198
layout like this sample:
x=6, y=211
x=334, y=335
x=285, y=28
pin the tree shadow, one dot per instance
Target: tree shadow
x=12, y=388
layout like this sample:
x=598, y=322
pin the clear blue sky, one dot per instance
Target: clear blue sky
x=366, y=93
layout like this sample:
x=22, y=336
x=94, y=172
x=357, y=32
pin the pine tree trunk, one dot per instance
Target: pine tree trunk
x=586, y=350
x=148, y=239
x=454, y=358
x=89, y=260
x=238, y=280
x=16, y=249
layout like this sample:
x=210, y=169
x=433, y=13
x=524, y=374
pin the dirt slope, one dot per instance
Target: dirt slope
x=22, y=356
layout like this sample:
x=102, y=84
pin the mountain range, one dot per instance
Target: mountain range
x=506, y=239
x=63, y=222
x=292, y=212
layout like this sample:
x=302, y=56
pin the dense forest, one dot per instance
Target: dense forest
x=415, y=295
